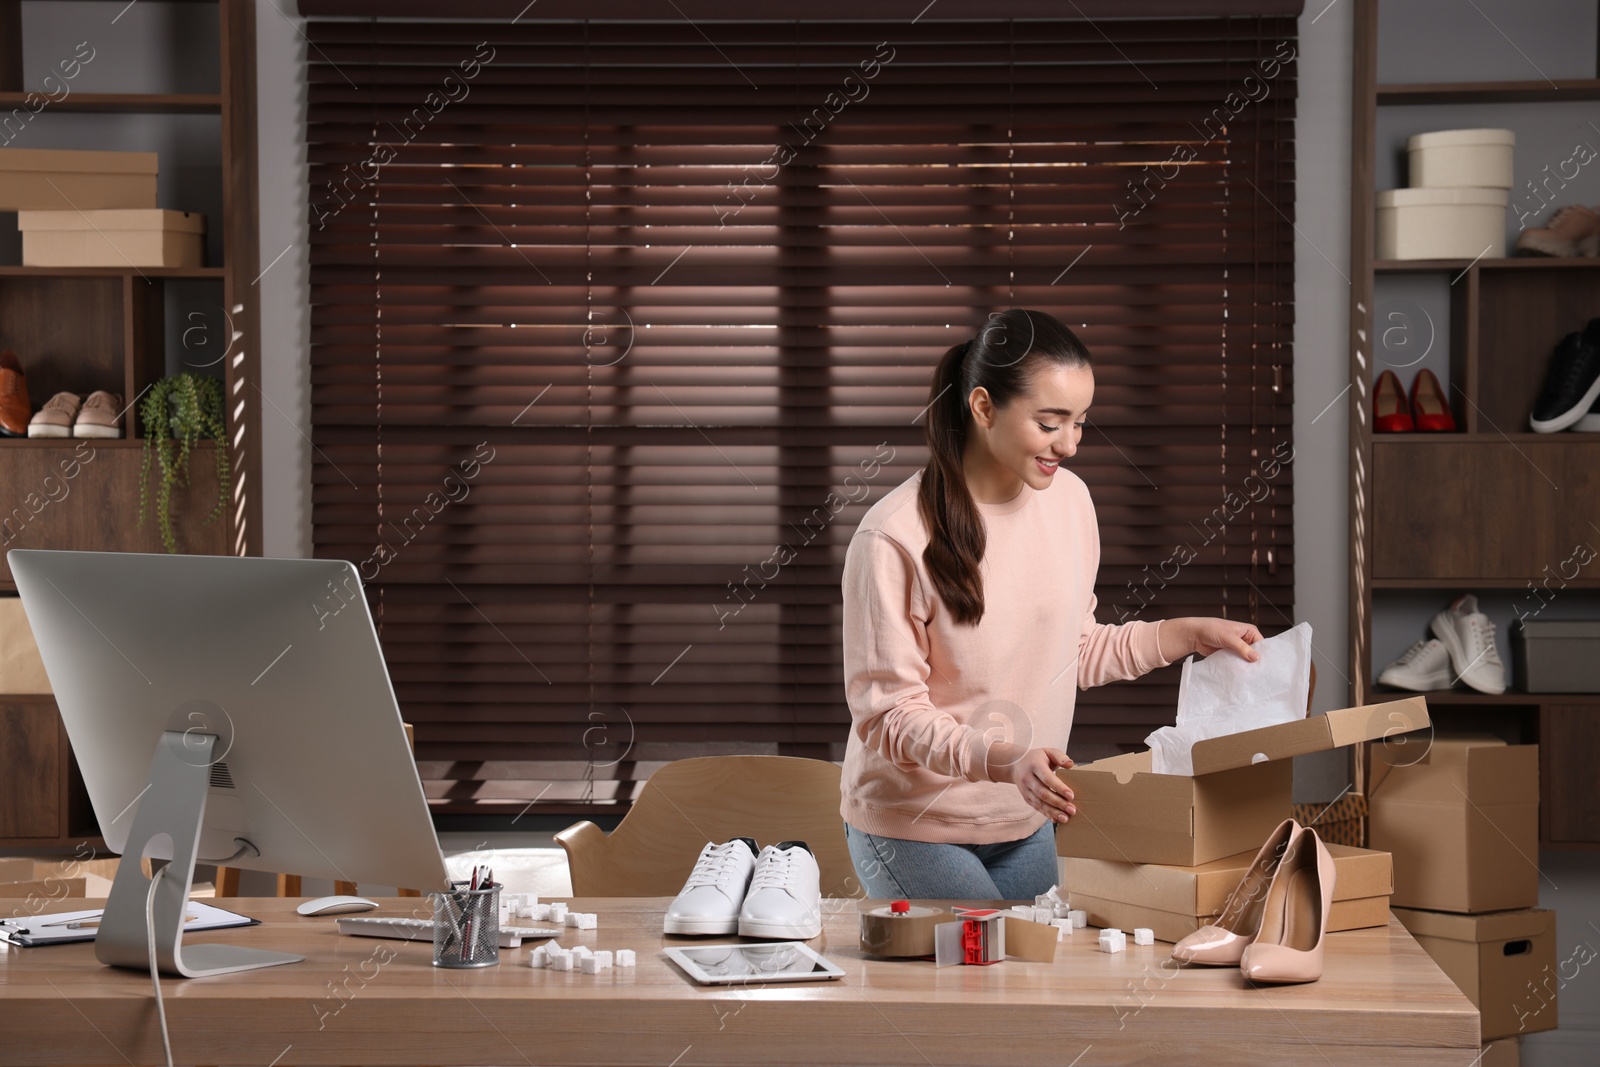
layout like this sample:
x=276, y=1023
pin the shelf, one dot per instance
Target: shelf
x=1490, y=92
x=1456, y=266
x=1468, y=698
x=1460, y=584
x=110, y=272
x=68, y=442
x=124, y=103
x=1518, y=438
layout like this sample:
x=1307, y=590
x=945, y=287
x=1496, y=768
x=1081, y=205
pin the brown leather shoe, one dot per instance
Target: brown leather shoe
x=1574, y=230
x=14, y=406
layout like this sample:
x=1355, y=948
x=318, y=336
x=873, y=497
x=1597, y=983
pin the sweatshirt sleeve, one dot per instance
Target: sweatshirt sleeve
x=1114, y=653
x=886, y=665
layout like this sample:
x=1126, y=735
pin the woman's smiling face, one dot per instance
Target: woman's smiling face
x=1026, y=440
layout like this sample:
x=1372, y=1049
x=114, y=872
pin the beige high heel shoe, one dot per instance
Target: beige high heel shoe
x=1221, y=944
x=1294, y=922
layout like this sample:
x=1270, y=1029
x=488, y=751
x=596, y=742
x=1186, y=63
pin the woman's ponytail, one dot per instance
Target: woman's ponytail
x=1001, y=359
x=955, y=529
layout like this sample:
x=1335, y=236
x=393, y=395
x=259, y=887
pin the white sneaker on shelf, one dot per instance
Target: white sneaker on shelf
x=785, y=898
x=710, y=899
x=1424, y=667
x=1468, y=636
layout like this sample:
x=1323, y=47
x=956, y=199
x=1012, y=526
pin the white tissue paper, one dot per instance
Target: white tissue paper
x=1227, y=694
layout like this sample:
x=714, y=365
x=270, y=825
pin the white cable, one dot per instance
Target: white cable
x=155, y=973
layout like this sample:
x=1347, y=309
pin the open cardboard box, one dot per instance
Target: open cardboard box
x=1239, y=792
x=1174, y=902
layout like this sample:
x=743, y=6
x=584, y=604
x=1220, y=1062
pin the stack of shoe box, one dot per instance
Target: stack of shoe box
x=1461, y=818
x=1164, y=851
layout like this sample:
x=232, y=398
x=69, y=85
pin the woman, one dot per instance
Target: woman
x=968, y=616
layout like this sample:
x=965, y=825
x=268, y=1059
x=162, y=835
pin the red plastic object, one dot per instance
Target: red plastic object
x=900, y=907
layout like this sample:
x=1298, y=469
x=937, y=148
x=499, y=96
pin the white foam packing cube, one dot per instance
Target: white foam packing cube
x=558, y=912
x=591, y=965
x=603, y=958
x=1063, y=910
x=587, y=920
x=572, y=918
x=581, y=950
x=539, y=913
x=1043, y=915
x=1064, y=925
x=1143, y=935
x=562, y=961
x=626, y=958
x=538, y=957
x=1079, y=918
x=1113, y=941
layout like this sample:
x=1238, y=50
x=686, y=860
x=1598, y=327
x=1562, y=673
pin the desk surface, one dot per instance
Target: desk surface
x=361, y=1000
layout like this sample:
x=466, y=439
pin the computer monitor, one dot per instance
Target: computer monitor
x=226, y=709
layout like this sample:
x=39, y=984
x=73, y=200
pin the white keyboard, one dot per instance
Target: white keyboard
x=422, y=930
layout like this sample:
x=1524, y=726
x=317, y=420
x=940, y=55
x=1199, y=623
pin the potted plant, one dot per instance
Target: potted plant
x=176, y=413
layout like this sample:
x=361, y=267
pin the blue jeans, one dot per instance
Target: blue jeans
x=894, y=868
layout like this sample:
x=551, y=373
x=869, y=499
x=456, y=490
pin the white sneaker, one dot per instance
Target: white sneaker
x=710, y=899
x=1424, y=667
x=785, y=898
x=1468, y=635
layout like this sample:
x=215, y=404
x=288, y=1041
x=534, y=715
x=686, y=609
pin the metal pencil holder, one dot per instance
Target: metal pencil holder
x=466, y=926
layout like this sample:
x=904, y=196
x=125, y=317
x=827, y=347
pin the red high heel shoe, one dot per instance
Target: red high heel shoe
x=1429, y=409
x=1390, y=411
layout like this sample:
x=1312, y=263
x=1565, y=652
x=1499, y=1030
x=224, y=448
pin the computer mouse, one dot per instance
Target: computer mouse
x=335, y=905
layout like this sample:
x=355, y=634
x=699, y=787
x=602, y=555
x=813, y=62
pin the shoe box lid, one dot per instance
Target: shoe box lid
x=113, y=219
x=1460, y=138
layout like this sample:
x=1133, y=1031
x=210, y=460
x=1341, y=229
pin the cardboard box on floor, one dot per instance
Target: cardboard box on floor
x=1503, y=961
x=1174, y=902
x=1462, y=821
x=1505, y=1052
x=1239, y=792
x=34, y=179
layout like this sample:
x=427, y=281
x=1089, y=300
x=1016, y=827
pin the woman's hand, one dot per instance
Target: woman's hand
x=1179, y=637
x=1033, y=772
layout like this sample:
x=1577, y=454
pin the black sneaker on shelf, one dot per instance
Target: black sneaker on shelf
x=1590, y=423
x=1572, y=384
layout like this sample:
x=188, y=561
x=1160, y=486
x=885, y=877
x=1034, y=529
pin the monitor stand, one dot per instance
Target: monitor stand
x=173, y=805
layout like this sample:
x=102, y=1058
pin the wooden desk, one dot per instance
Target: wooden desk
x=367, y=1001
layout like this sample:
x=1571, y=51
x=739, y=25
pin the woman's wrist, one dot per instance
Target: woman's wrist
x=1175, y=639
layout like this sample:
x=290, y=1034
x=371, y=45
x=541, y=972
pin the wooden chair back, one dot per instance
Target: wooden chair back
x=713, y=798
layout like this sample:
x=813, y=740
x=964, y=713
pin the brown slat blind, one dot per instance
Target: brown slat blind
x=625, y=315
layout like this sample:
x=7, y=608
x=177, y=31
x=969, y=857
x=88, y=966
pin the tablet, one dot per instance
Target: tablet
x=781, y=961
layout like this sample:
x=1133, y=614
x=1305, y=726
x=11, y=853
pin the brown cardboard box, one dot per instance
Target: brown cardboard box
x=1239, y=792
x=1176, y=901
x=1503, y=961
x=55, y=180
x=21, y=669
x=1342, y=822
x=1506, y=1052
x=1463, y=824
x=118, y=237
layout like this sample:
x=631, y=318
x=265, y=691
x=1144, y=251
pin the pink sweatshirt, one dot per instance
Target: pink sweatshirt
x=928, y=696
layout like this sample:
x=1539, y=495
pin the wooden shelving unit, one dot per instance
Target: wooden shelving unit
x=1486, y=508
x=90, y=328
